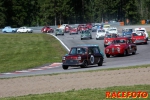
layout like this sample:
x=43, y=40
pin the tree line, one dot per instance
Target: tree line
x=18, y=13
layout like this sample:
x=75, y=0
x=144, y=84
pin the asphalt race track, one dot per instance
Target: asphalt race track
x=142, y=56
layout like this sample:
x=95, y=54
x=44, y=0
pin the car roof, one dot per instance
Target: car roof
x=87, y=45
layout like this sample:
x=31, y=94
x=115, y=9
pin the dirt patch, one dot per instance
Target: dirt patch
x=63, y=82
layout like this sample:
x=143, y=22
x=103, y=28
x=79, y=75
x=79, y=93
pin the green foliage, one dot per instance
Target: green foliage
x=44, y=12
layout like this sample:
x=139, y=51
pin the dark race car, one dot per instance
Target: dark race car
x=83, y=56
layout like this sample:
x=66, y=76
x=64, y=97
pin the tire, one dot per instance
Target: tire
x=100, y=63
x=85, y=65
x=55, y=34
x=81, y=39
x=107, y=55
x=134, y=52
x=65, y=67
x=145, y=42
x=105, y=45
x=125, y=53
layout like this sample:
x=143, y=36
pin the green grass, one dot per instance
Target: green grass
x=22, y=51
x=85, y=94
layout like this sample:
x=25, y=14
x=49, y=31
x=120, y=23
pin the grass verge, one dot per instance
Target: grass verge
x=85, y=94
x=23, y=51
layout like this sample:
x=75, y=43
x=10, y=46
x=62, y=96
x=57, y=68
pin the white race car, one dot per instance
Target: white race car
x=100, y=34
x=24, y=30
x=142, y=30
x=112, y=30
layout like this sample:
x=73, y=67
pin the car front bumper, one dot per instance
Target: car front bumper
x=72, y=63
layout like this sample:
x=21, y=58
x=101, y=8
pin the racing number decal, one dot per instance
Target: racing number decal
x=92, y=59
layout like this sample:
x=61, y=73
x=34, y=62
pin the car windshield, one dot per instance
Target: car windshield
x=119, y=41
x=112, y=29
x=99, y=31
x=85, y=32
x=138, y=34
x=127, y=30
x=58, y=30
x=78, y=50
x=140, y=30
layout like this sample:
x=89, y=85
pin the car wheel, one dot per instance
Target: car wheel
x=145, y=42
x=107, y=55
x=65, y=67
x=125, y=53
x=85, y=65
x=55, y=34
x=134, y=52
x=81, y=39
x=90, y=37
x=100, y=63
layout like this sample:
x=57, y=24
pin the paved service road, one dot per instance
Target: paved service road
x=142, y=57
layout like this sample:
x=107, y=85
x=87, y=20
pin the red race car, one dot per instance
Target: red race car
x=121, y=46
x=47, y=29
x=89, y=26
x=109, y=38
x=67, y=29
x=139, y=38
x=73, y=30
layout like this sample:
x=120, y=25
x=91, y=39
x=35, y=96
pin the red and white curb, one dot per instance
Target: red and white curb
x=54, y=65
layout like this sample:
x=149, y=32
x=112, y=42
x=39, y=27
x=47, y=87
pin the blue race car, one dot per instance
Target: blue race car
x=8, y=29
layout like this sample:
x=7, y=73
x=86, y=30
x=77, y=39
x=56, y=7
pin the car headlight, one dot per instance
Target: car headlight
x=118, y=49
x=63, y=58
x=107, y=50
x=79, y=58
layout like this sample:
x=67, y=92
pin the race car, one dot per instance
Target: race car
x=89, y=26
x=83, y=28
x=24, y=30
x=96, y=27
x=121, y=46
x=106, y=27
x=112, y=30
x=109, y=38
x=139, y=38
x=83, y=56
x=73, y=30
x=59, y=31
x=9, y=29
x=86, y=35
x=47, y=29
x=142, y=30
x=100, y=34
